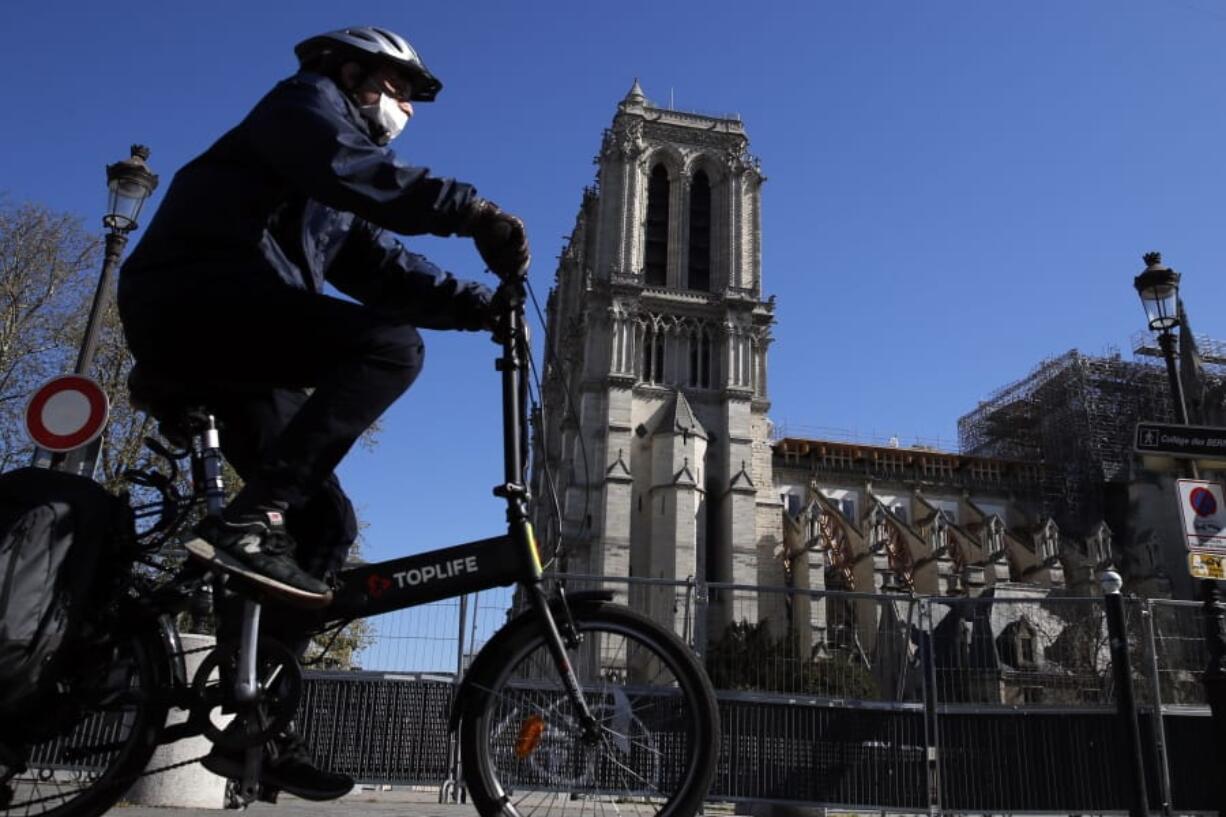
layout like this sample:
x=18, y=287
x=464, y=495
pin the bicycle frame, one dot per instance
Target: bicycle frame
x=382, y=587
x=499, y=561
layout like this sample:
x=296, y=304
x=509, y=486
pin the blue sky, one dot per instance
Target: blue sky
x=955, y=190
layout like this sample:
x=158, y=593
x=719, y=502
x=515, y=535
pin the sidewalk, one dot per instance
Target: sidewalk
x=373, y=803
x=365, y=802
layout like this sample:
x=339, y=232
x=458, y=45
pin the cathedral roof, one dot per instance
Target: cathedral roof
x=680, y=419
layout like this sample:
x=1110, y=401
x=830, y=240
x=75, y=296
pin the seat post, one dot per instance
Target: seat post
x=210, y=454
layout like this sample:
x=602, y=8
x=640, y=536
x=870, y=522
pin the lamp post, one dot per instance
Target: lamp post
x=1158, y=287
x=129, y=183
x=1124, y=704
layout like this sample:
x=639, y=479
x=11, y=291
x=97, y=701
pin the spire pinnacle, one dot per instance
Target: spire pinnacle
x=635, y=95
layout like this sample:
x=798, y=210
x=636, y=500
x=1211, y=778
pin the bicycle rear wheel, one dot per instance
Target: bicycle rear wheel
x=521, y=744
x=110, y=720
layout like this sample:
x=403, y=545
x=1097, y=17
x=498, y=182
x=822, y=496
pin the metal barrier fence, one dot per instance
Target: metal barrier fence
x=847, y=700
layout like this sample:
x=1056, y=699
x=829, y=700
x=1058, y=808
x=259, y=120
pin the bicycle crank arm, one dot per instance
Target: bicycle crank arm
x=253, y=762
x=246, y=686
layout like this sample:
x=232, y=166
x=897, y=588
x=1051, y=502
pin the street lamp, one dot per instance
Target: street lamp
x=1112, y=583
x=129, y=183
x=1158, y=287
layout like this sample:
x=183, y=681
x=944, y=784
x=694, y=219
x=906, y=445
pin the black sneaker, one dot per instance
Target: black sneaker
x=293, y=770
x=258, y=549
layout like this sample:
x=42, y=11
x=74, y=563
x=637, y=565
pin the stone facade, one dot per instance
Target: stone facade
x=661, y=448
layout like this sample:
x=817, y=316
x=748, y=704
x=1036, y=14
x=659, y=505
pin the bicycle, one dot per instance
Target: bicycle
x=576, y=700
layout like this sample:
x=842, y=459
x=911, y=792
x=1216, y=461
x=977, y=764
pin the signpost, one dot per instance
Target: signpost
x=1202, y=508
x=1174, y=440
x=1207, y=565
x=66, y=412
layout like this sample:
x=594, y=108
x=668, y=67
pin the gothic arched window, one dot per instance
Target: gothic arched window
x=700, y=358
x=653, y=355
x=655, y=258
x=700, y=233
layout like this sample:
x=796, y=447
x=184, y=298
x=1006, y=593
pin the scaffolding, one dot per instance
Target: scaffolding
x=1077, y=414
x=1211, y=351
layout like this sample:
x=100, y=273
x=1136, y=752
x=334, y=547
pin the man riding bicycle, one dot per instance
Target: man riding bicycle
x=226, y=289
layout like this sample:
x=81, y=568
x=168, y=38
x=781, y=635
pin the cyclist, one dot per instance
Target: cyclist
x=226, y=289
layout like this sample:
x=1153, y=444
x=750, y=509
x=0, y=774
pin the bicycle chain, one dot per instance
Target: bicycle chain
x=125, y=782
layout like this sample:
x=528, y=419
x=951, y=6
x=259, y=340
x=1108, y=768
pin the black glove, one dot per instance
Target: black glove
x=500, y=238
x=496, y=314
x=475, y=312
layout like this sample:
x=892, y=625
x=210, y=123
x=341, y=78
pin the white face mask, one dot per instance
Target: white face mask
x=386, y=117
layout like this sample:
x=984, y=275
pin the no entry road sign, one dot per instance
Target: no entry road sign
x=1194, y=442
x=66, y=412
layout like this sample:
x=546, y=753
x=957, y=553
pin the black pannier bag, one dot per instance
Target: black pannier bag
x=61, y=537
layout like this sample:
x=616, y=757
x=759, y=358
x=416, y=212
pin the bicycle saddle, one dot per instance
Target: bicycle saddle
x=181, y=407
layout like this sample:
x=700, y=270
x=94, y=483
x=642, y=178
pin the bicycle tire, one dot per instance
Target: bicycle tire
x=658, y=714
x=106, y=743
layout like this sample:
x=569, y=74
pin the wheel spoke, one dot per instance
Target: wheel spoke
x=647, y=715
x=624, y=768
x=84, y=759
x=631, y=742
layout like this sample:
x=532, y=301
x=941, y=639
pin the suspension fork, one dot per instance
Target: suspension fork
x=209, y=457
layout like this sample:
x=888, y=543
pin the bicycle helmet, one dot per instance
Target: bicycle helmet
x=388, y=47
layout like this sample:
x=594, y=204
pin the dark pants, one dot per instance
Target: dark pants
x=294, y=379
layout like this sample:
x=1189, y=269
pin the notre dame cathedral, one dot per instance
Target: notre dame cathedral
x=653, y=422
x=662, y=449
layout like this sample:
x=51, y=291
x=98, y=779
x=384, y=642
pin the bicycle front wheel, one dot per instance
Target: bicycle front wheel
x=522, y=745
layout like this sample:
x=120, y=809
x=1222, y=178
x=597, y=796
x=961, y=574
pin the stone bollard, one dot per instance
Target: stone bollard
x=189, y=786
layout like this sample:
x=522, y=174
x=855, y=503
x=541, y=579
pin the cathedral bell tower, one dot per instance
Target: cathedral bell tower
x=662, y=452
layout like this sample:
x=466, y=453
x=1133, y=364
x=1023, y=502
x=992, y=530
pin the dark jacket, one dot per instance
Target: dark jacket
x=296, y=194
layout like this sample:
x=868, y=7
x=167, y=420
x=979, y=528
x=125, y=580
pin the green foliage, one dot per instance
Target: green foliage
x=748, y=657
x=340, y=651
